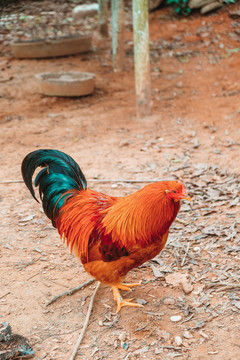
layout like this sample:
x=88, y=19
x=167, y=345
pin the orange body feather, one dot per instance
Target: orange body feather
x=113, y=235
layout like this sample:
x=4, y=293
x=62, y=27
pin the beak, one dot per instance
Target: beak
x=188, y=198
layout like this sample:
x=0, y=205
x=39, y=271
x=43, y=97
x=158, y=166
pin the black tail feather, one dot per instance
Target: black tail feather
x=60, y=174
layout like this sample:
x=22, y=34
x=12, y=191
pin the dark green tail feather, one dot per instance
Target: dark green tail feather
x=60, y=174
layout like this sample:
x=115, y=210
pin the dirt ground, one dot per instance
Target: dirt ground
x=192, y=135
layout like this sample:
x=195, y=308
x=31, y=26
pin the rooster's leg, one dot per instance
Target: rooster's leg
x=120, y=301
x=127, y=287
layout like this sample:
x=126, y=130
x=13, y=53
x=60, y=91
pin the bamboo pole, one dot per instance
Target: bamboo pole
x=141, y=58
x=118, y=34
x=103, y=17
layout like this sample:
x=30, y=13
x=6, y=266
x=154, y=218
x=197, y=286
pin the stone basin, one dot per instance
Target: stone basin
x=66, y=84
x=47, y=48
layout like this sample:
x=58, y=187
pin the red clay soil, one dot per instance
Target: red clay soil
x=193, y=135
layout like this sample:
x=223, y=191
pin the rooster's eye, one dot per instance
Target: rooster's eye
x=174, y=191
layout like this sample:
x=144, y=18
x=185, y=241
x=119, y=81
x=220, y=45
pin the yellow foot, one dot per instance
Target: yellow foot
x=120, y=301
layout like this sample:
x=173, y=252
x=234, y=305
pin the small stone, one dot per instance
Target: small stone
x=196, y=248
x=212, y=6
x=81, y=11
x=154, y=342
x=27, y=218
x=196, y=144
x=141, y=301
x=175, y=318
x=169, y=301
x=178, y=340
x=124, y=142
x=122, y=337
x=187, y=287
x=195, y=4
x=187, y=335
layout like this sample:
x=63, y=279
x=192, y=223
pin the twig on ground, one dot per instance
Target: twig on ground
x=70, y=292
x=10, y=181
x=188, y=318
x=141, y=328
x=229, y=287
x=43, y=357
x=126, y=357
x=24, y=265
x=170, y=347
x=5, y=295
x=85, y=323
x=224, y=286
x=175, y=253
x=40, y=341
x=185, y=255
x=200, y=325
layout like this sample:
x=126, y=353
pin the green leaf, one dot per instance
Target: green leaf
x=181, y=6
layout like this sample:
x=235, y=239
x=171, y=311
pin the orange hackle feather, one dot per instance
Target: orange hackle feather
x=79, y=216
x=137, y=219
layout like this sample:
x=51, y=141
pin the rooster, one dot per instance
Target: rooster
x=110, y=235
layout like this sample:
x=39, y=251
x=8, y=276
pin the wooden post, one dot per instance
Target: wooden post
x=103, y=17
x=118, y=34
x=141, y=57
